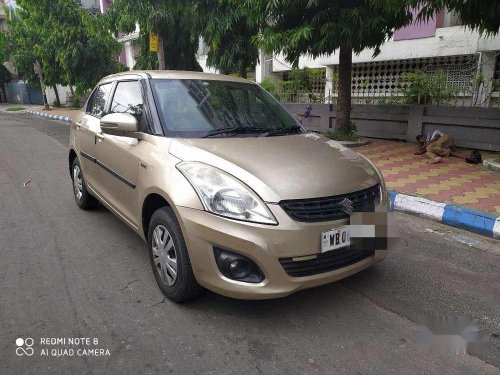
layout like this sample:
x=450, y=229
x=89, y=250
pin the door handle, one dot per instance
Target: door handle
x=99, y=135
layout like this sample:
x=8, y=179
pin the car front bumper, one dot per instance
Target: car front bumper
x=265, y=245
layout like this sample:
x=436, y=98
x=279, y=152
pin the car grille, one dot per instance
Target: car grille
x=330, y=208
x=325, y=262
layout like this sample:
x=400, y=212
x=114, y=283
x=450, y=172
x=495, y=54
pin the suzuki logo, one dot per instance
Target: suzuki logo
x=347, y=206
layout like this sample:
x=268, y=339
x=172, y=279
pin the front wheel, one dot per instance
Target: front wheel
x=82, y=197
x=169, y=257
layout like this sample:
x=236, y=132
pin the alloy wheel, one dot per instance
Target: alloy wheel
x=77, y=182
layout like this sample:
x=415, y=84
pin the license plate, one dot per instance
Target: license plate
x=335, y=239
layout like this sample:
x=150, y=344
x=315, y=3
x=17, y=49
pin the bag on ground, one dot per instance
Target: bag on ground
x=474, y=157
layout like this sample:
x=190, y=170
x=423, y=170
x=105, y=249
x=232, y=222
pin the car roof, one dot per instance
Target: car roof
x=174, y=74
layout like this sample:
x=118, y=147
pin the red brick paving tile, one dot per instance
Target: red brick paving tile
x=454, y=192
x=444, y=175
x=382, y=151
x=487, y=204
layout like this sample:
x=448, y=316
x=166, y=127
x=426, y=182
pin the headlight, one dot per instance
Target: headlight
x=222, y=194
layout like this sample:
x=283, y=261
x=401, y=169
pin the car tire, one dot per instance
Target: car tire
x=82, y=197
x=169, y=257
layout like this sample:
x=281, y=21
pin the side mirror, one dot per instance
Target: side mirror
x=119, y=124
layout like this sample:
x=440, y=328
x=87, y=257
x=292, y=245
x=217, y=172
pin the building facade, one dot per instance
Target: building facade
x=468, y=61
x=92, y=6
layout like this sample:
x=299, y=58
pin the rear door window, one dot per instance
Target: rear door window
x=97, y=102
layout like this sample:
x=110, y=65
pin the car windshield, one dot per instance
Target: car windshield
x=208, y=108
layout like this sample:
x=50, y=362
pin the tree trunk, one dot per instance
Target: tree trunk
x=42, y=85
x=344, y=99
x=58, y=102
x=243, y=73
x=161, y=54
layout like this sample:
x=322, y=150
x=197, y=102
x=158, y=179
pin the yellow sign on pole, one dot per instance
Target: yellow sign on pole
x=153, y=42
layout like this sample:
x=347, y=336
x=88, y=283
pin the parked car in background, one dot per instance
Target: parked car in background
x=225, y=186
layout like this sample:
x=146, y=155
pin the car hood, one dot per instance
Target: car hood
x=284, y=167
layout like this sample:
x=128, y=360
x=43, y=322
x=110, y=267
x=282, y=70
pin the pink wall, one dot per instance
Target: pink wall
x=123, y=57
x=418, y=29
x=105, y=5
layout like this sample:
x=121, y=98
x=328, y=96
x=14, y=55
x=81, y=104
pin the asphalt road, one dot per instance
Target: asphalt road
x=68, y=273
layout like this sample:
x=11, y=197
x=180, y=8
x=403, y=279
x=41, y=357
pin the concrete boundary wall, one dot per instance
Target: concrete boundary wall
x=470, y=127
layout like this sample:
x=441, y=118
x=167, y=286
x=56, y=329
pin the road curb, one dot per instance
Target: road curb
x=450, y=214
x=49, y=116
x=353, y=144
x=492, y=164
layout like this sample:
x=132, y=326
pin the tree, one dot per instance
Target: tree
x=28, y=45
x=4, y=56
x=483, y=15
x=172, y=20
x=227, y=31
x=319, y=27
x=73, y=47
x=5, y=75
x=88, y=44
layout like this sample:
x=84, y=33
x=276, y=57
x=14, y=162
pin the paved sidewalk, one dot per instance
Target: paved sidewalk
x=65, y=112
x=451, y=181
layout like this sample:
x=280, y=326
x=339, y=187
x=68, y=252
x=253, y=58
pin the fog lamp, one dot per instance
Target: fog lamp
x=240, y=268
x=237, y=267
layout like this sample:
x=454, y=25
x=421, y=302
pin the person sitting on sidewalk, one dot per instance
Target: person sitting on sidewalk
x=435, y=146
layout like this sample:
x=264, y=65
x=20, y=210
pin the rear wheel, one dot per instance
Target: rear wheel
x=169, y=257
x=82, y=197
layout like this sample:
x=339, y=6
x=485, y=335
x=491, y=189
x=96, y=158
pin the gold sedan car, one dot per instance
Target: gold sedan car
x=228, y=190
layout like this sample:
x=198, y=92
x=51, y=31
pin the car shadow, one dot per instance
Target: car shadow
x=307, y=300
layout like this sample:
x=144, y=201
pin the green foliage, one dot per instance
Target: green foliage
x=91, y=54
x=273, y=87
x=276, y=89
x=227, y=31
x=3, y=47
x=15, y=109
x=299, y=85
x=173, y=20
x=24, y=44
x=351, y=134
x=421, y=88
x=73, y=47
x=317, y=27
x=482, y=15
x=303, y=79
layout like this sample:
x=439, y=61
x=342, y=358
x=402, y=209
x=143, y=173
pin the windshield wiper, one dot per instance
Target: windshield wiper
x=282, y=131
x=233, y=130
